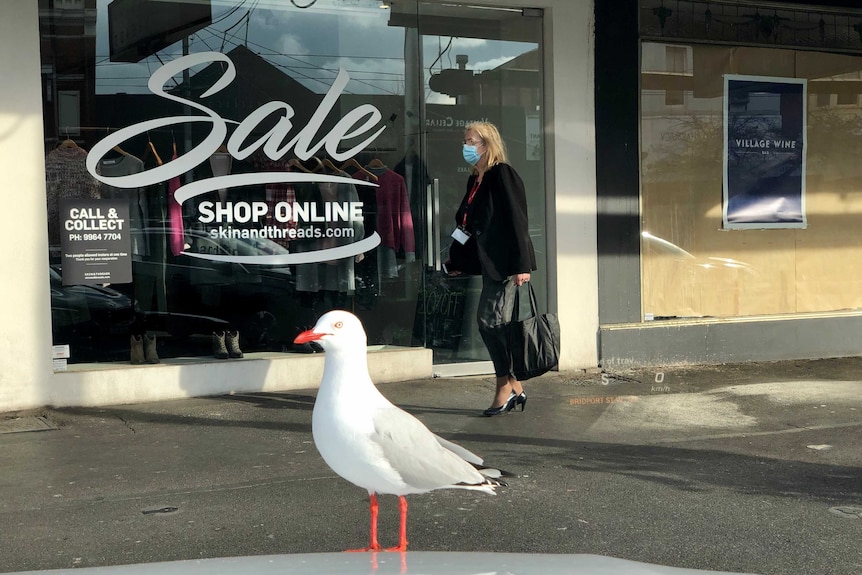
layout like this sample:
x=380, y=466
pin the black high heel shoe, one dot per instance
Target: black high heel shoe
x=507, y=406
x=521, y=399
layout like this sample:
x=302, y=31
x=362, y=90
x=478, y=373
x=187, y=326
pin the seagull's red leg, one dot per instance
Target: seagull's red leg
x=374, y=546
x=402, y=533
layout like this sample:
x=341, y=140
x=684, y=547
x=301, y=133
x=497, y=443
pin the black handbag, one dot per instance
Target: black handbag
x=533, y=342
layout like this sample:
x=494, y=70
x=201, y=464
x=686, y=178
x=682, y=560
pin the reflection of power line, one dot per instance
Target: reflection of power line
x=229, y=13
x=260, y=46
x=376, y=86
x=308, y=55
x=140, y=81
x=440, y=53
x=175, y=55
x=246, y=18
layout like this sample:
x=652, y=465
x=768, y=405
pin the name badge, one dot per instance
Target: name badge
x=460, y=236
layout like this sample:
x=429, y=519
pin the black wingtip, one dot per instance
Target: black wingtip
x=504, y=473
x=489, y=481
x=493, y=472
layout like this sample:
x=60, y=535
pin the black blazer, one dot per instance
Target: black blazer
x=497, y=218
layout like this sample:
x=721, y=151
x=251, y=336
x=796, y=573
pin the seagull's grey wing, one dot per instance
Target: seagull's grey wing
x=473, y=459
x=464, y=454
x=417, y=455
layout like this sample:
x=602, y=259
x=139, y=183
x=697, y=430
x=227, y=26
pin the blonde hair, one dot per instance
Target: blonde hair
x=494, y=146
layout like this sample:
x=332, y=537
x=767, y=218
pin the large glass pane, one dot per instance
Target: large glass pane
x=274, y=160
x=296, y=107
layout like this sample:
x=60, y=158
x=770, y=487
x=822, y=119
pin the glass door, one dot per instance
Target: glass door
x=474, y=64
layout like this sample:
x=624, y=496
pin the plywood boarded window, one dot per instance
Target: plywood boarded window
x=691, y=267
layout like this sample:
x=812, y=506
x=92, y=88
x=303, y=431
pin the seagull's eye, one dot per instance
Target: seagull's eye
x=338, y=325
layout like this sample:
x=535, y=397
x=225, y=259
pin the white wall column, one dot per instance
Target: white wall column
x=25, y=305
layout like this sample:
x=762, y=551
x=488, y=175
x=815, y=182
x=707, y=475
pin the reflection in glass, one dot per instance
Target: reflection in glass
x=774, y=271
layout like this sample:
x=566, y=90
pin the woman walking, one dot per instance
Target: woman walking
x=492, y=238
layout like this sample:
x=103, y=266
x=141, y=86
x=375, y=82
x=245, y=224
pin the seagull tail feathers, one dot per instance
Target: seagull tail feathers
x=487, y=486
x=477, y=462
x=494, y=473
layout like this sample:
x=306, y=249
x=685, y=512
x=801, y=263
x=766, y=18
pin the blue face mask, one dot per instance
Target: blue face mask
x=471, y=154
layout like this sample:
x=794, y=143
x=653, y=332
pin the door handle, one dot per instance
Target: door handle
x=431, y=260
x=435, y=223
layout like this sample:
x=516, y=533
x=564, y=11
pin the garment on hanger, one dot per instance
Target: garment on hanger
x=415, y=173
x=367, y=271
x=177, y=232
x=337, y=275
x=220, y=163
x=394, y=220
x=126, y=165
x=66, y=177
x=277, y=192
x=156, y=196
x=361, y=172
x=146, y=213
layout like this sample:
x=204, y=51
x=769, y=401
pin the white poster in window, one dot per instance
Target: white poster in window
x=95, y=242
x=764, y=152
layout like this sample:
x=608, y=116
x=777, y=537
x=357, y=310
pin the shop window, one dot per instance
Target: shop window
x=138, y=261
x=675, y=59
x=223, y=167
x=848, y=98
x=69, y=112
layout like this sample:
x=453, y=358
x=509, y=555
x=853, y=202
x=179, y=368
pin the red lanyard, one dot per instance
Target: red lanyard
x=475, y=189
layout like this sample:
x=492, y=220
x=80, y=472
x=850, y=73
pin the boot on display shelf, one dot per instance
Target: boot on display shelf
x=231, y=340
x=137, y=349
x=219, y=349
x=150, y=353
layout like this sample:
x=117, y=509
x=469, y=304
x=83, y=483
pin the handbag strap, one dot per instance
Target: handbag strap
x=516, y=311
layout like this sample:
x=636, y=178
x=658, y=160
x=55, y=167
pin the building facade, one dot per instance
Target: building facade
x=205, y=178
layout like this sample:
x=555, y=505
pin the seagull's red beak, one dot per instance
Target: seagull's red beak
x=307, y=336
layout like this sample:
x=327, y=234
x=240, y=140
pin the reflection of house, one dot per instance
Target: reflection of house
x=515, y=83
x=682, y=89
x=257, y=82
x=69, y=83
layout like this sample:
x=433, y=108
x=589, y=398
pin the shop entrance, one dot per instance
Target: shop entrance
x=477, y=64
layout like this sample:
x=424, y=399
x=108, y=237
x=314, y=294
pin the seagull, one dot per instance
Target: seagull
x=374, y=444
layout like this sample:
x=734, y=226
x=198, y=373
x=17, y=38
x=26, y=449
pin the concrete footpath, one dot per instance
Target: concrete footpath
x=753, y=468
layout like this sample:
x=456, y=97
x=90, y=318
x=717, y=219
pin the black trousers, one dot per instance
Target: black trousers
x=496, y=304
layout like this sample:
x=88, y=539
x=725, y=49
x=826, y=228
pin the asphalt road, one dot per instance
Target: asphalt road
x=752, y=468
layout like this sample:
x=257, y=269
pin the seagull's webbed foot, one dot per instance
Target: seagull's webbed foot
x=402, y=534
x=374, y=545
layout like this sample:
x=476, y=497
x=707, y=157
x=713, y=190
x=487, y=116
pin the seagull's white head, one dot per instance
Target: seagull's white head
x=336, y=330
